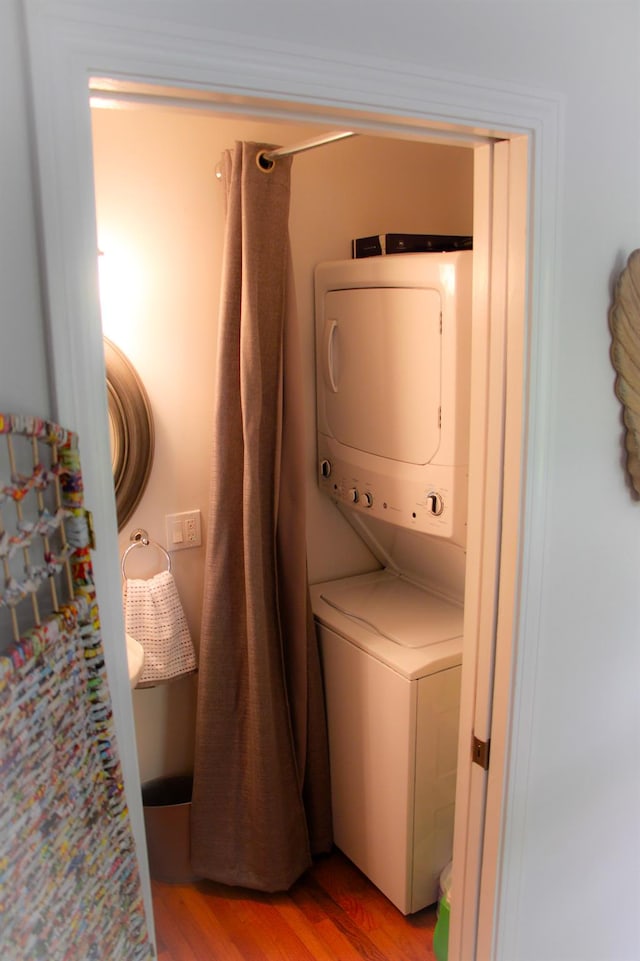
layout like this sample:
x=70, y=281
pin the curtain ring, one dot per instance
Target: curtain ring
x=264, y=163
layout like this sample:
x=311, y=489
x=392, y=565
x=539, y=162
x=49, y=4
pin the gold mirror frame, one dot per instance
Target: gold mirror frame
x=130, y=429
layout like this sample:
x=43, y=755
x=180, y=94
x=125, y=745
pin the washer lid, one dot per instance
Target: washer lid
x=395, y=609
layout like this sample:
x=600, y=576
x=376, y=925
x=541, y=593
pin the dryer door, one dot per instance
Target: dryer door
x=381, y=370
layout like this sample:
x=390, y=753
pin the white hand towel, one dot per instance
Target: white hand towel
x=154, y=616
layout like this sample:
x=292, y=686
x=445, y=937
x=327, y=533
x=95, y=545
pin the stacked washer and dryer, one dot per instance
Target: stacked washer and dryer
x=393, y=357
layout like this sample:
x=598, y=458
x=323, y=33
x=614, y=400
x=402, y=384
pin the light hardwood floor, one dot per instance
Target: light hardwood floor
x=332, y=914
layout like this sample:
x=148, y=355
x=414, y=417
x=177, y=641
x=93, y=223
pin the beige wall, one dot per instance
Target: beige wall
x=160, y=228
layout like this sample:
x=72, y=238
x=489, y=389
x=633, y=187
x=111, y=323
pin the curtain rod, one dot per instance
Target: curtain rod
x=273, y=155
x=266, y=158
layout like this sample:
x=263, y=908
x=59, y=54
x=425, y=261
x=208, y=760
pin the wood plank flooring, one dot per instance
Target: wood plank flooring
x=332, y=914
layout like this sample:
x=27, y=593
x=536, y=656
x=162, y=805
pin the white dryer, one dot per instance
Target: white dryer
x=391, y=655
x=393, y=337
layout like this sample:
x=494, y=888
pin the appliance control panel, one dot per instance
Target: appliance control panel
x=424, y=504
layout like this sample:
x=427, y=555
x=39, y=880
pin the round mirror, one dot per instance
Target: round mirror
x=130, y=429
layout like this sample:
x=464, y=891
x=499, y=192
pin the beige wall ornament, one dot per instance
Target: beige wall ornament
x=624, y=321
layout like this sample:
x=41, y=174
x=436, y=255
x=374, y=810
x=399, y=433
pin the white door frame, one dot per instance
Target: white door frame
x=488, y=382
x=498, y=409
x=70, y=42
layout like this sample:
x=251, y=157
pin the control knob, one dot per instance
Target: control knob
x=353, y=495
x=366, y=499
x=435, y=504
x=325, y=468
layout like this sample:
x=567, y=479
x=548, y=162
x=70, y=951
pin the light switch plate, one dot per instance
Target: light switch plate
x=183, y=530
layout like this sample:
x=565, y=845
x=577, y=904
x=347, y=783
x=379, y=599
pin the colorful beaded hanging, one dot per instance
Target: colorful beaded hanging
x=69, y=882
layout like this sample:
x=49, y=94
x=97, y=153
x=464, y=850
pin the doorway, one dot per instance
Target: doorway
x=65, y=52
x=458, y=168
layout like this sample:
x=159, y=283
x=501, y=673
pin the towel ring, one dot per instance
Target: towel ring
x=140, y=538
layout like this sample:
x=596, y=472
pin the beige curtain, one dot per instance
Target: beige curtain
x=261, y=796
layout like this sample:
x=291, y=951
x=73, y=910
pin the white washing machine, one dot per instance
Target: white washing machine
x=391, y=655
